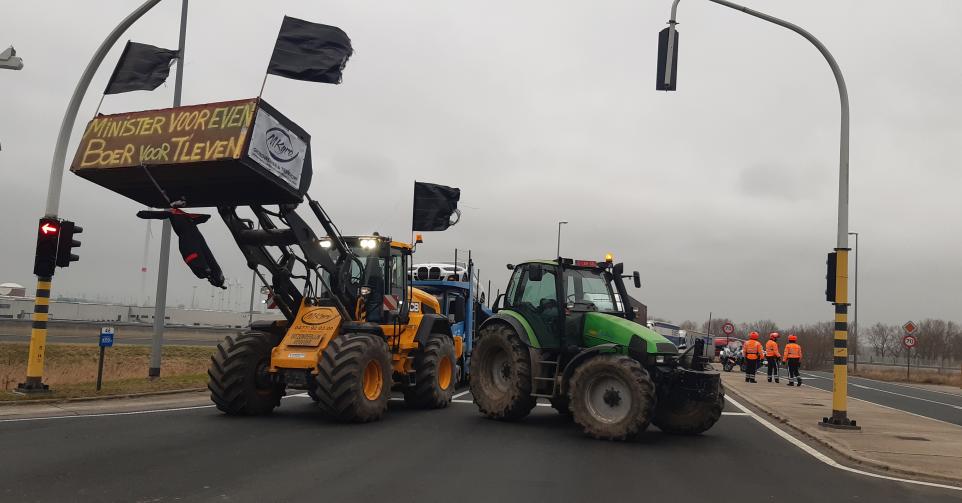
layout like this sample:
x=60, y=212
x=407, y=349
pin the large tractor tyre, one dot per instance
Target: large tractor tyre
x=687, y=417
x=501, y=374
x=239, y=382
x=612, y=397
x=435, y=374
x=354, y=378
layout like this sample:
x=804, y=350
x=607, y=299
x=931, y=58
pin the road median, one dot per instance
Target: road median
x=890, y=441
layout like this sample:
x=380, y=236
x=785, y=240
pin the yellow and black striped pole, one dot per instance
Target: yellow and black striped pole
x=840, y=417
x=38, y=339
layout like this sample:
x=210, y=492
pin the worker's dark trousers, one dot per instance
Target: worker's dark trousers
x=793, y=364
x=772, y=368
x=751, y=366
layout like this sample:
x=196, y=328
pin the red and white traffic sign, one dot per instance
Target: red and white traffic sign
x=728, y=328
x=910, y=327
x=910, y=341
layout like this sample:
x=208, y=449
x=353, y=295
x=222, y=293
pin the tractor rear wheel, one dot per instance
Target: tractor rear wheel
x=354, y=378
x=612, y=397
x=688, y=417
x=239, y=381
x=435, y=374
x=501, y=373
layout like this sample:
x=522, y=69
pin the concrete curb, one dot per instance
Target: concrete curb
x=845, y=454
x=41, y=401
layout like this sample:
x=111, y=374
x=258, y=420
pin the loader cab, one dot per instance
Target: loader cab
x=554, y=297
x=380, y=273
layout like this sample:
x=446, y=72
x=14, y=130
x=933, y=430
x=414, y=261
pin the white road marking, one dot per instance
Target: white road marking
x=827, y=460
x=956, y=395
x=854, y=385
x=459, y=395
x=105, y=414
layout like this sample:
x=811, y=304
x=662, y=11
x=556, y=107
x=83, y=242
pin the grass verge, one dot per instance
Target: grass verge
x=71, y=369
x=920, y=376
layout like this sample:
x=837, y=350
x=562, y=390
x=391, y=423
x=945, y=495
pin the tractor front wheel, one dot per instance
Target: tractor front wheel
x=688, y=417
x=354, y=378
x=612, y=397
x=435, y=374
x=239, y=381
x=501, y=374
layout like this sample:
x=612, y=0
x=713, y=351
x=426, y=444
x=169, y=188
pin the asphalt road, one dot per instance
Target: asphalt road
x=425, y=456
x=924, y=402
x=119, y=339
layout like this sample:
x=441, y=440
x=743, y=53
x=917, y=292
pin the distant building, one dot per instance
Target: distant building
x=21, y=307
x=13, y=290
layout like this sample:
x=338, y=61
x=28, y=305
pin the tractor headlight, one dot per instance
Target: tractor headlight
x=325, y=243
x=368, y=244
x=365, y=291
x=660, y=359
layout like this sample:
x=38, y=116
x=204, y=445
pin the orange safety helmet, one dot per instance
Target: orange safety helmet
x=773, y=336
x=792, y=338
x=753, y=336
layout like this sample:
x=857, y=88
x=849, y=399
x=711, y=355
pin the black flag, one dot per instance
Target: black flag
x=310, y=51
x=141, y=67
x=433, y=206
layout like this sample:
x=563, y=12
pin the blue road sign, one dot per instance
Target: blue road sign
x=106, y=337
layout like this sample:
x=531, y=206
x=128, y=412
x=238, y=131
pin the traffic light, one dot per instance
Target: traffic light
x=48, y=235
x=830, y=280
x=67, y=243
x=667, y=75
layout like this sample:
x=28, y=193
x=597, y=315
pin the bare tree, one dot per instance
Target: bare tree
x=689, y=326
x=764, y=327
x=880, y=337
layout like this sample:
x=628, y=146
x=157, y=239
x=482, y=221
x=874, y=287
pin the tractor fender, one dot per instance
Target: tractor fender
x=432, y=324
x=519, y=326
x=582, y=357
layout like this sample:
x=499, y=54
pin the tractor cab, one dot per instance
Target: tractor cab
x=554, y=296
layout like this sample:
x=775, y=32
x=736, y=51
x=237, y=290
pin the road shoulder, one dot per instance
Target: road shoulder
x=105, y=405
x=890, y=442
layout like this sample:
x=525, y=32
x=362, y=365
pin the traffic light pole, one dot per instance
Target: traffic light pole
x=839, y=417
x=160, y=300
x=38, y=334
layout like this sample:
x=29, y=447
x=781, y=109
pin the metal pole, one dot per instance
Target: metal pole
x=558, y=254
x=855, y=347
x=160, y=300
x=250, y=310
x=38, y=335
x=70, y=116
x=839, y=417
x=100, y=368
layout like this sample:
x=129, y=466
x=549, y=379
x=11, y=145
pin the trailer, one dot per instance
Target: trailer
x=454, y=296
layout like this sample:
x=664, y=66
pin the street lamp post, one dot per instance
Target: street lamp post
x=855, y=347
x=839, y=418
x=559, y=237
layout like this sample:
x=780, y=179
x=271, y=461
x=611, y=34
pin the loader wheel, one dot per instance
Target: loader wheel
x=688, y=417
x=435, y=374
x=239, y=382
x=612, y=397
x=501, y=374
x=354, y=378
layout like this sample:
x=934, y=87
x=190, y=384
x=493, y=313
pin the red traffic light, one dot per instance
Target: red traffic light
x=46, y=228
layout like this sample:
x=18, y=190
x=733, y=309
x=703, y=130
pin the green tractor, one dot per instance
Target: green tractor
x=564, y=331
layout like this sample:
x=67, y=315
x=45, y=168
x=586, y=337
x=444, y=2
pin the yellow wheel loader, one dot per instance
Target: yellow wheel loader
x=354, y=328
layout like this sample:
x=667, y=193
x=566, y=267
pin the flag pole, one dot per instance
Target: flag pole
x=263, y=83
x=412, y=215
x=102, y=96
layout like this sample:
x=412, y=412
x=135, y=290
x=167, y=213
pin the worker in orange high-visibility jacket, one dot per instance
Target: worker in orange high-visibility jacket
x=793, y=356
x=772, y=355
x=753, y=356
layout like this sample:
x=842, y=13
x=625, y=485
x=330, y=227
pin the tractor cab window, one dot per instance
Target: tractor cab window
x=588, y=289
x=537, y=301
x=397, y=273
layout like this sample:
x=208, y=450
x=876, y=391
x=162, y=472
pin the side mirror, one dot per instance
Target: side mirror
x=510, y=267
x=637, y=277
x=535, y=273
x=619, y=269
x=496, y=306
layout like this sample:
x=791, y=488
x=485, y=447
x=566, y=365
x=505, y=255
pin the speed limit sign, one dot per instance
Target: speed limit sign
x=909, y=341
x=728, y=328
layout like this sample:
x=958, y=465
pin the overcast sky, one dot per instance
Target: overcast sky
x=722, y=194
